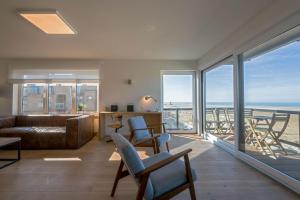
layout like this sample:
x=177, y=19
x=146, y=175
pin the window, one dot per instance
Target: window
x=58, y=98
x=178, y=100
x=272, y=106
x=61, y=98
x=87, y=97
x=33, y=99
x=218, y=101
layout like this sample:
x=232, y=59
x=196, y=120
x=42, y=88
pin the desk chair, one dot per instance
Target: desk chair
x=117, y=122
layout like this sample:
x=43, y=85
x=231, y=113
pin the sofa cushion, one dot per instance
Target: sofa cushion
x=38, y=137
x=7, y=122
x=34, y=130
x=42, y=121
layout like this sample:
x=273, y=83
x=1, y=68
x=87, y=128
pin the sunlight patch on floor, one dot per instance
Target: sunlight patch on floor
x=116, y=157
x=192, y=137
x=63, y=159
x=195, y=146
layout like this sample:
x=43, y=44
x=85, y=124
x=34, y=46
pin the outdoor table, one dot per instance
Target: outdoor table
x=260, y=118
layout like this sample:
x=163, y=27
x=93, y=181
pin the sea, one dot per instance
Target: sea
x=291, y=106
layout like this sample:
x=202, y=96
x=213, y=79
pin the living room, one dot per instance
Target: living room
x=149, y=99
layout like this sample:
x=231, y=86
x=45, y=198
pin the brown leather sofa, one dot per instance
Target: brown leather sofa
x=49, y=132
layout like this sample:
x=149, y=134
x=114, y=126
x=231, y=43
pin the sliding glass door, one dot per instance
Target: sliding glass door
x=272, y=101
x=178, y=100
x=264, y=127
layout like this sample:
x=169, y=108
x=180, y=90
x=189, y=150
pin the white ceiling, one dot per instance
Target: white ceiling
x=125, y=29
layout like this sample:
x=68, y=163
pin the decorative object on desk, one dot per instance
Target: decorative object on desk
x=114, y=108
x=81, y=107
x=130, y=108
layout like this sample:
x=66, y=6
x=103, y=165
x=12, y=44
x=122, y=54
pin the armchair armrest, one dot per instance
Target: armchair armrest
x=157, y=125
x=151, y=130
x=162, y=163
x=141, y=129
x=147, y=139
x=79, y=130
x=160, y=124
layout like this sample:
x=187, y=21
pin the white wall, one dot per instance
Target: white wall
x=5, y=90
x=146, y=81
x=113, y=88
x=273, y=20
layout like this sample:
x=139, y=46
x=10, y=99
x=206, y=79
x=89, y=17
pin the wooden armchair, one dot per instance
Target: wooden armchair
x=142, y=135
x=159, y=177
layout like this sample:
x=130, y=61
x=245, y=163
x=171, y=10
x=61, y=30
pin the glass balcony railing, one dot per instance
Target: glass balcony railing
x=178, y=118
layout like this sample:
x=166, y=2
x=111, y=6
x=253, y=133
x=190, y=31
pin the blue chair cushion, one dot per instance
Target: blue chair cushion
x=163, y=138
x=131, y=160
x=169, y=176
x=138, y=122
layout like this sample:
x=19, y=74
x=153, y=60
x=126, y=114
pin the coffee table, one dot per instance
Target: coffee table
x=6, y=141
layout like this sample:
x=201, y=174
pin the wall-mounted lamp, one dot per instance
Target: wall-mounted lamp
x=148, y=97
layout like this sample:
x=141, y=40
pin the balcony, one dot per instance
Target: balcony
x=178, y=118
x=274, y=141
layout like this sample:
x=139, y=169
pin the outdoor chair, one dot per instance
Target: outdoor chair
x=268, y=135
x=213, y=124
x=248, y=113
x=161, y=176
x=142, y=135
x=229, y=113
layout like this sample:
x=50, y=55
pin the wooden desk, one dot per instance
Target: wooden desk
x=105, y=119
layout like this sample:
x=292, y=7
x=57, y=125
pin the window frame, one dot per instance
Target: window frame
x=206, y=134
x=194, y=91
x=97, y=96
x=46, y=98
x=20, y=98
x=284, y=36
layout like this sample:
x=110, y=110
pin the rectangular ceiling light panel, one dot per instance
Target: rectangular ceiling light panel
x=50, y=22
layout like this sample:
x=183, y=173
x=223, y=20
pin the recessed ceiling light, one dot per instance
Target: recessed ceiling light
x=49, y=21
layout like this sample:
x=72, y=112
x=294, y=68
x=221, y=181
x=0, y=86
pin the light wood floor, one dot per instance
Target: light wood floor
x=220, y=176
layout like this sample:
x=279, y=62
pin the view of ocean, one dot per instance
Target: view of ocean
x=293, y=106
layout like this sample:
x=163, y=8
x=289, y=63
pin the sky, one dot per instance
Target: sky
x=270, y=77
x=178, y=88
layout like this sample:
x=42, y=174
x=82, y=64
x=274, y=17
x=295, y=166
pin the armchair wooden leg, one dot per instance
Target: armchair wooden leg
x=118, y=177
x=142, y=188
x=167, y=145
x=189, y=177
x=192, y=191
x=154, y=149
x=157, y=149
x=154, y=146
